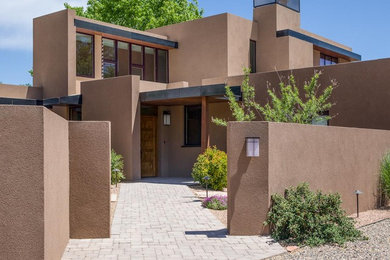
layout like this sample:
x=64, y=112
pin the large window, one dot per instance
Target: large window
x=192, y=127
x=122, y=58
x=252, y=56
x=292, y=4
x=84, y=55
x=328, y=60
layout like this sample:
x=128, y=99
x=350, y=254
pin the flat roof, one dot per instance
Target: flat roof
x=123, y=33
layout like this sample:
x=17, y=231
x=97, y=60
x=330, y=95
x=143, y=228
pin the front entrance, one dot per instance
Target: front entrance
x=148, y=146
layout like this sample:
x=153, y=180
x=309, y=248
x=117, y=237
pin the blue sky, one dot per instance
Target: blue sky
x=364, y=26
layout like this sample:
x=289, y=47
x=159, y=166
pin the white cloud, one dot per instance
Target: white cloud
x=16, y=18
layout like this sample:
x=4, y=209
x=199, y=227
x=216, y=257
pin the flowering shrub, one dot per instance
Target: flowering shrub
x=212, y=163
x=217, y=202
x=305, y=217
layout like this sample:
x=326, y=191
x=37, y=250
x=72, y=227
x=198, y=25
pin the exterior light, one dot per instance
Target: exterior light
x=253, y=146
x=357, y=192
x=206, y=179
x=167, y=118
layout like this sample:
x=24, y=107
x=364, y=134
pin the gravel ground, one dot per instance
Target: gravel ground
x=114, y=190
x=377, y=247
x=200, y=192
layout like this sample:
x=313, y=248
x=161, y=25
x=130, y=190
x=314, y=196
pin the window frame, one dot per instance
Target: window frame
x=93, y=56
x=334, y=60
x=250, y=55
x=131, y=64
x=186, y=144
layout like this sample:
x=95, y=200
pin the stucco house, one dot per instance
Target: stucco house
x=160, y=88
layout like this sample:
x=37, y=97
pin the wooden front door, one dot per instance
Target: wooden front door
x=148, y=146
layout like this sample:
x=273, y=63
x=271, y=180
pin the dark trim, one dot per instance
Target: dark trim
x=201, y=91
x=276, y=2
x=68, y=100
x=122, y=33
x=318, y=43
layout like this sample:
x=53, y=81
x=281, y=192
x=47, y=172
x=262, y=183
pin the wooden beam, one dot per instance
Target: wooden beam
x=205, y=125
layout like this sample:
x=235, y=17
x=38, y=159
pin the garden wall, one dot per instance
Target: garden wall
x=333, y=159
x=35, y=186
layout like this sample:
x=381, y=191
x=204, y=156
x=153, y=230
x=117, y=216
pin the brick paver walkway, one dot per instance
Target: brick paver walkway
x=162, y=219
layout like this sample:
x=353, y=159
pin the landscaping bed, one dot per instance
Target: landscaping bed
x=200, y=193
x=114, y=199
x=376, y=247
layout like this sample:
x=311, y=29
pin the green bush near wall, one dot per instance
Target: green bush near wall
x=116, y=168
x=212, y=163
x=385, y=175
x=310, y=218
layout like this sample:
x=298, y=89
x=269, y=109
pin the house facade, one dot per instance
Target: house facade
x=160, y=88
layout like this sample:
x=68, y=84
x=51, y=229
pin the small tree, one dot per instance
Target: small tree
x=287, y=106
x=242, y=111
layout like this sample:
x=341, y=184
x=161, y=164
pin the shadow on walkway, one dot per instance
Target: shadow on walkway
x=222, y=233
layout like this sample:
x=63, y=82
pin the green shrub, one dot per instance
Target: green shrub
x=116, y=168
x=385, y=175
x=310, y=218
x=212, y=163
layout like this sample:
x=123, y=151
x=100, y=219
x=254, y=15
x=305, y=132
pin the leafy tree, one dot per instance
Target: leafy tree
x=288, y=105
x=242, y=111
x=140, y=14
x=31, y=72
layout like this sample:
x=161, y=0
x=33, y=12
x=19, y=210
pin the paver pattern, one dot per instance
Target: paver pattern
x=162, y=219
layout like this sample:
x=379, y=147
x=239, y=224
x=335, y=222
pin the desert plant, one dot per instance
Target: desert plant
x=241, y=111
x=212, y=163
x=286, y=104
x=116, y=168
x=385, y=175
x=217, y=202
x=310, y=218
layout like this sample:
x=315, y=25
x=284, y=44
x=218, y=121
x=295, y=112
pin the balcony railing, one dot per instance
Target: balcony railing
x=292, y=4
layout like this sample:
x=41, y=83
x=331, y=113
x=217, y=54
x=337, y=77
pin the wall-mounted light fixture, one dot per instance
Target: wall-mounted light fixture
x=167, y=118
x=253, y=146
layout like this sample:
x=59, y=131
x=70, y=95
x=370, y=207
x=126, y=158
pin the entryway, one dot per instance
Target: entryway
x=148, y=146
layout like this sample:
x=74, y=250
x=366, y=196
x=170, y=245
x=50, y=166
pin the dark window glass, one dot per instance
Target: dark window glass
x=109, y=58
x=137, y=54
x=123, y=58
x=326, y=60
x=108, y=70
x=150, y=64
x=252, y=56
x=75, y=113
x=162, y=66
x=137, y=71
x=84, y=55
x=192, y=129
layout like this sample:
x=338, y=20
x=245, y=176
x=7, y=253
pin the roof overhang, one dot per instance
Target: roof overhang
x=216, y=93
x=61, y=101
x=319, y=43
x=138, y=37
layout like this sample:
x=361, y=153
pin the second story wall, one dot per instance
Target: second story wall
x=202, y=51
x=54, y=54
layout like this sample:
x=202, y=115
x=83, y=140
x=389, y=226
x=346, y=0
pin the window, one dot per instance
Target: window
x=75, y=113
x=252, y=56
x=162, y=66
x=326, y=60
x=109, y=58
x=122, y=58
x=84, y=55
x=192, y=127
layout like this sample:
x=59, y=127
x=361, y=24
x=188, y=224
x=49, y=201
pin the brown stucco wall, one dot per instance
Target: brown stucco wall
x=56, y=184
x=117, y=100
x=55, y=54
x=35, y=183
x=174, y=160
x=89, y=164
x=332, y=159
x=22, y=92
x=202, y=51
x=361, y=99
